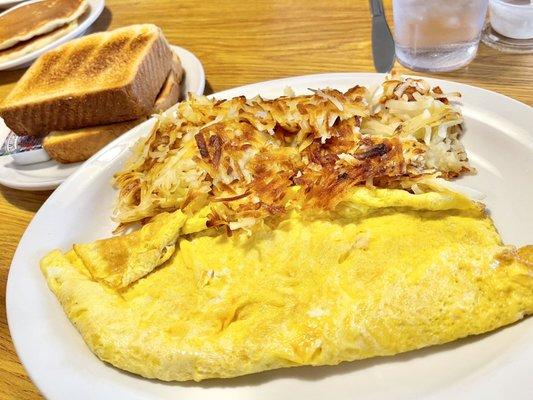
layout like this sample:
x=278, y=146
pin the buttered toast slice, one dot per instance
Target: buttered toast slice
x=100, y=79
x=79, y=144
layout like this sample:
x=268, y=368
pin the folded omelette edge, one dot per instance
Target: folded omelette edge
x=415, y=271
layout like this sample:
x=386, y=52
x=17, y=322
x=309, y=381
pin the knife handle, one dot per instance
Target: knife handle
x=376, y=7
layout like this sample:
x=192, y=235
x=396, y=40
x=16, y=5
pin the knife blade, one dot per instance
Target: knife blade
x=382, y=41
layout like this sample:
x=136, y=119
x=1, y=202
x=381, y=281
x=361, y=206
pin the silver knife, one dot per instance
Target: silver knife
x=382, y=41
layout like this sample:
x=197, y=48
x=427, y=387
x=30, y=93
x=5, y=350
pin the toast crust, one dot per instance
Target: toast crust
x=80, y=144
x=170, y=92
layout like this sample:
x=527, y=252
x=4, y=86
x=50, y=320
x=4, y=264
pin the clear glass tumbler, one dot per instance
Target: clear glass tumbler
x=437, y=35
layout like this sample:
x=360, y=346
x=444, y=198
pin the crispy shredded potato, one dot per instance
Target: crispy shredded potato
x=246, y=160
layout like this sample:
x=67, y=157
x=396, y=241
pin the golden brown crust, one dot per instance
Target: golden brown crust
x=249, y=160
x=79, y=145
x=525, y=255
x=100, y=79
x=177, y=68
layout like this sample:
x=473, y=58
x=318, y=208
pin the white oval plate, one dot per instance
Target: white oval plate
x=491, y=366
x=50, y=174
x=95, y=9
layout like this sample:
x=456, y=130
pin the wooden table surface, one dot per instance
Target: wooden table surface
x=240, y=42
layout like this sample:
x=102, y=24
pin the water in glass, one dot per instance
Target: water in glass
x=437, y=35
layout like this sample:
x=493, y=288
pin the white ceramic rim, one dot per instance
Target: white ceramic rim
x=42, y=378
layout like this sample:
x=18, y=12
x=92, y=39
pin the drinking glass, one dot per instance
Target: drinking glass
x=437, y=35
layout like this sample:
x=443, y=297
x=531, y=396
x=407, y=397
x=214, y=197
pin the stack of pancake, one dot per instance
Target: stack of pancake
x=32, y=26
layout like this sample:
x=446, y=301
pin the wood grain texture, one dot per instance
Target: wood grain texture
x=241, y=42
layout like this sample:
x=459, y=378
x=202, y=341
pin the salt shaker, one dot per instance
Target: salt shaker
x=511, y=26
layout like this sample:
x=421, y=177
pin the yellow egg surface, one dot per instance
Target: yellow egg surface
x=388, y=272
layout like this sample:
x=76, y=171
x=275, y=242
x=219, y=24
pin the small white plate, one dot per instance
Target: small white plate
x=95, y=9
x=50, y=174
x=492, y=366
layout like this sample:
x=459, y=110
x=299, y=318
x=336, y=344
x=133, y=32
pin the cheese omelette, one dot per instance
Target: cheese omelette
x=305, y=230
x=389, y=272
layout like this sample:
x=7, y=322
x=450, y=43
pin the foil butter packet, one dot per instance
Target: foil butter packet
x=24, y=149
